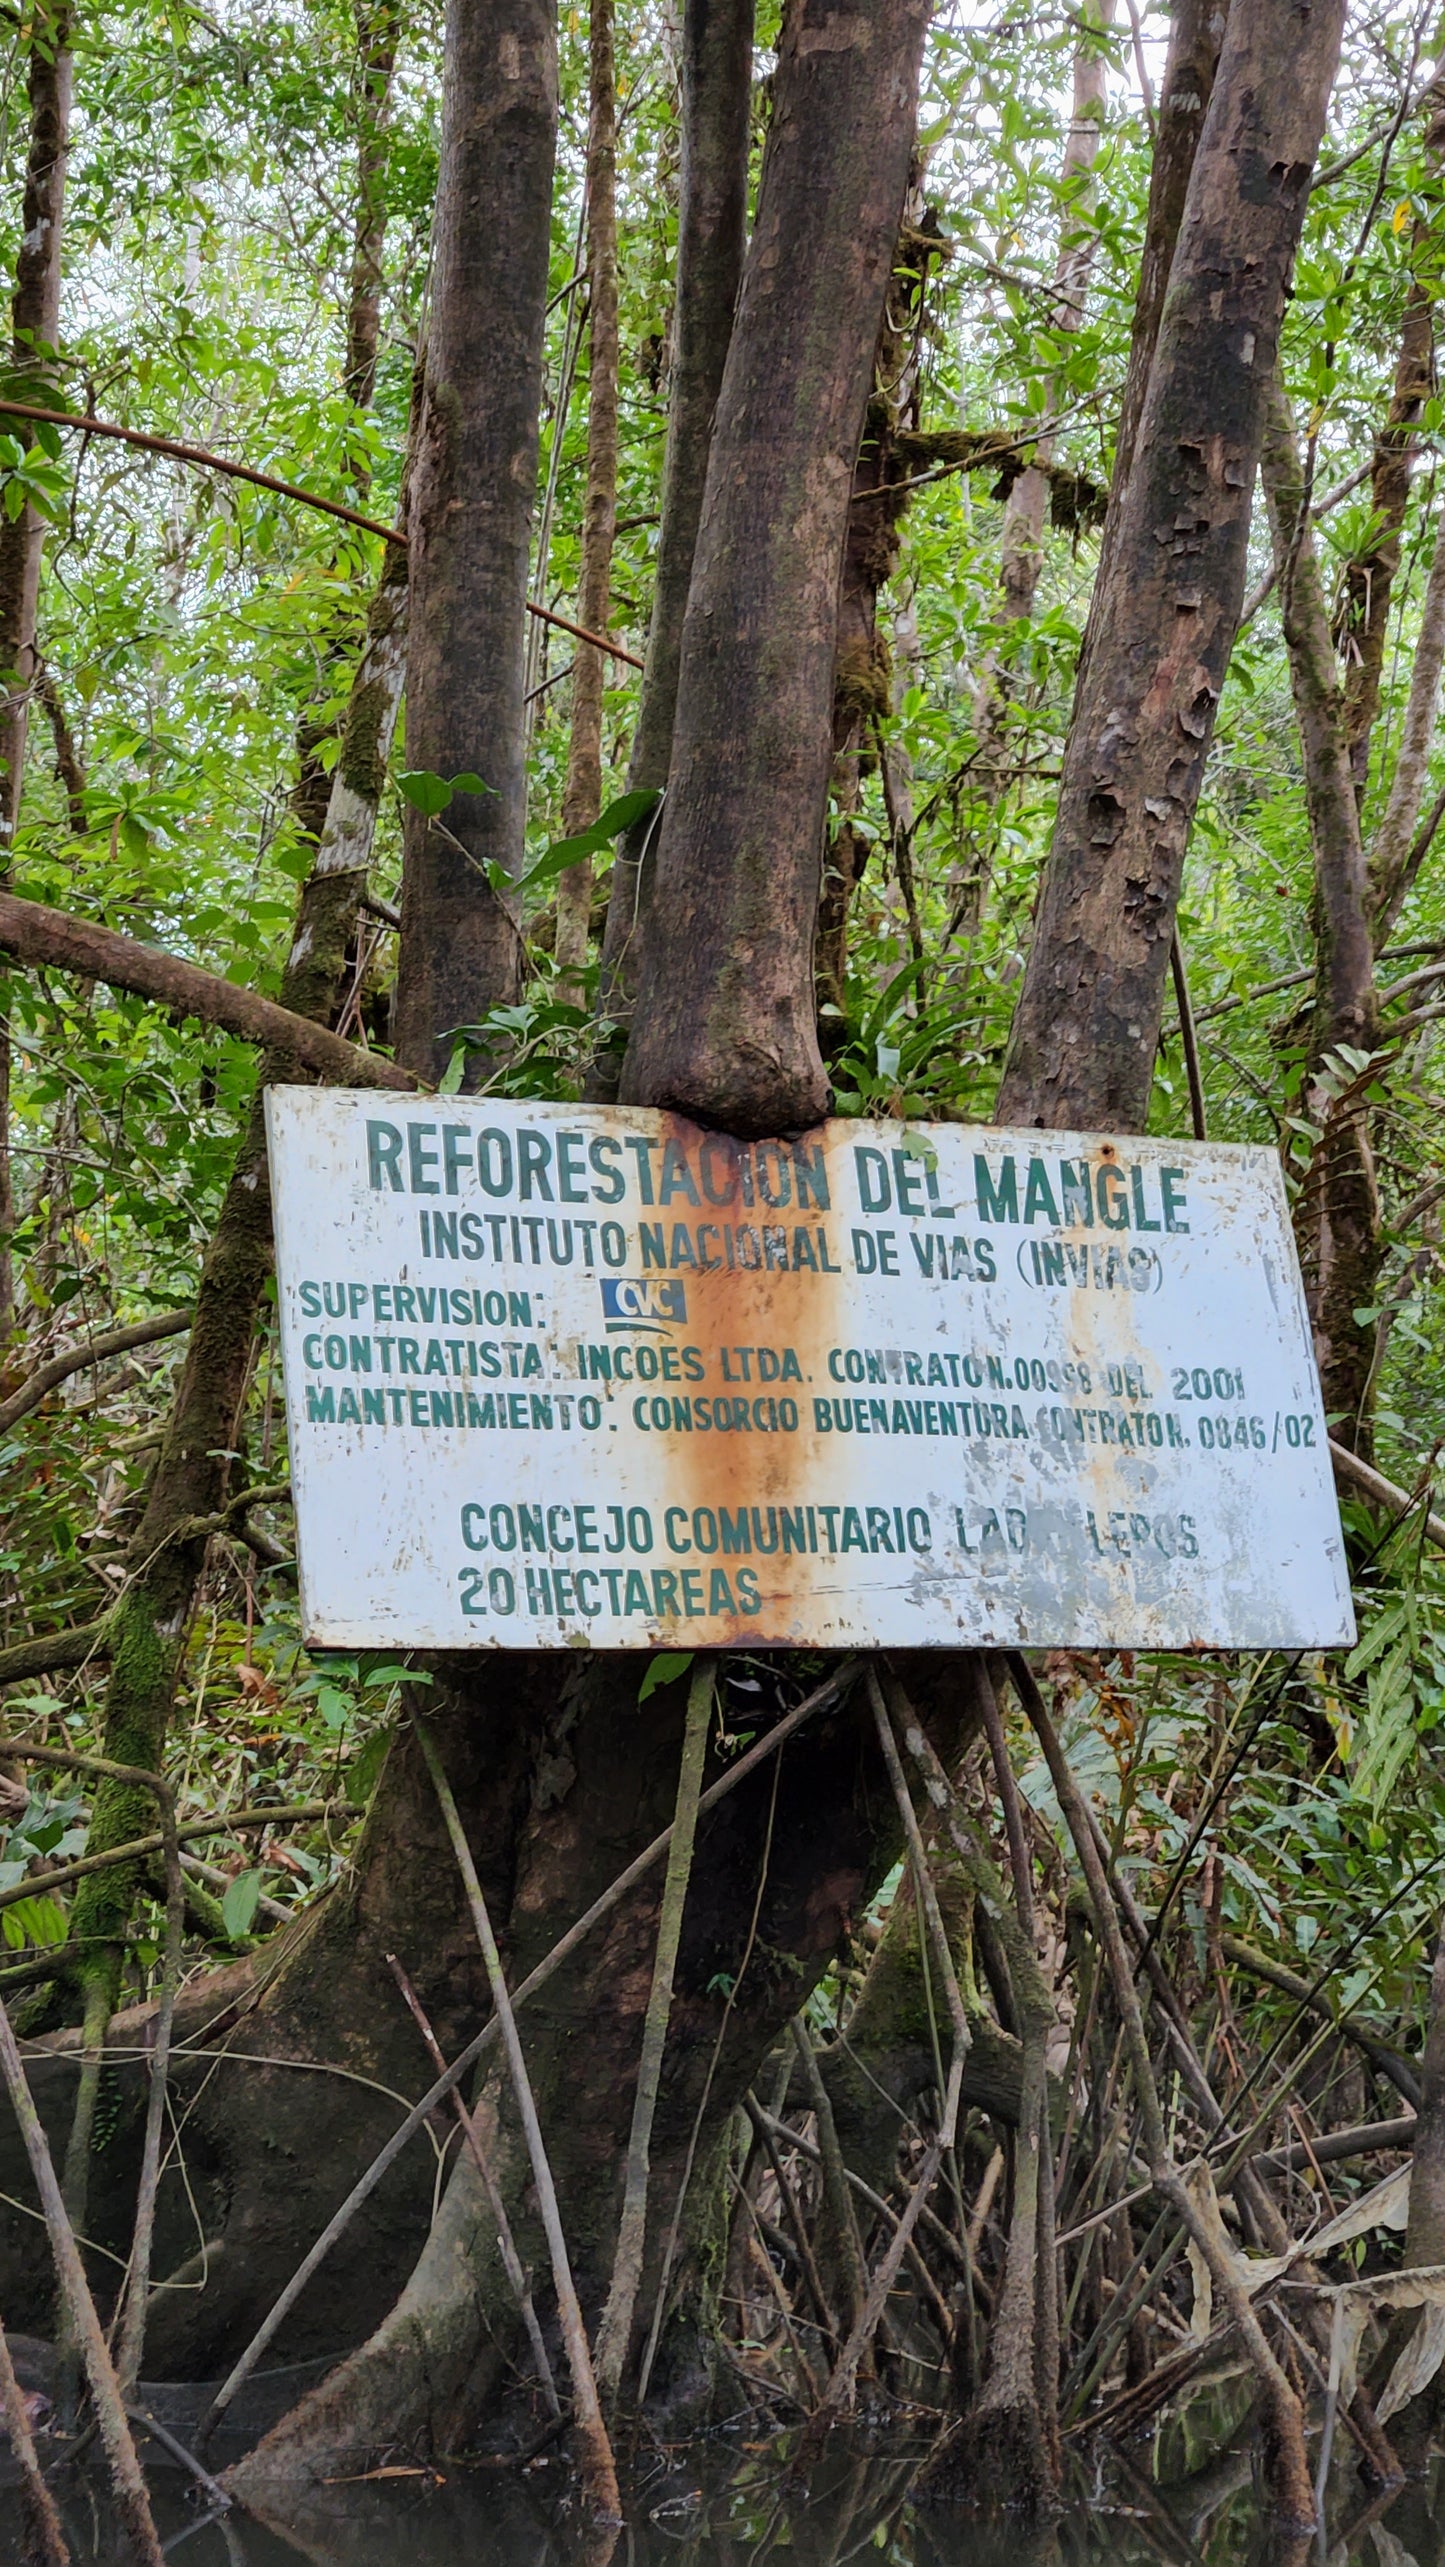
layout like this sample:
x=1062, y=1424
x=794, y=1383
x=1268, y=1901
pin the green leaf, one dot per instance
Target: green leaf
x=917, y=1145
x=427, y=793
x=1382, y=1631
x=362, y=1771
x=665, y=1670
x=622, y=814
x=430, y=794
x=238, y=1907
x=39, y=1920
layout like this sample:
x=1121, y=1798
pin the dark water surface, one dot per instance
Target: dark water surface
x=708, y=2506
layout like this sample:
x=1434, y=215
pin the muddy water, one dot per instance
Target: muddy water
x=742, y=2508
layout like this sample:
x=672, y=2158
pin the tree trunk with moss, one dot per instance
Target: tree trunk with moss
x=1171, y=583
x=1196, y=34
x=377, y=31
x=1337, y=1216
x=377, y=24
x=34, y=330
x=863, y=669
x=1370, y=574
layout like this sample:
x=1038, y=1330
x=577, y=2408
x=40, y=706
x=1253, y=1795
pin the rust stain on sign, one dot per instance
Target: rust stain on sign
x=588, y=1377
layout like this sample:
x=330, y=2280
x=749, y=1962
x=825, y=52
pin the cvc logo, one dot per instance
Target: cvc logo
x=632, y=1301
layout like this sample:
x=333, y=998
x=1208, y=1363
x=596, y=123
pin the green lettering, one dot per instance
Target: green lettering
x=996, y=1202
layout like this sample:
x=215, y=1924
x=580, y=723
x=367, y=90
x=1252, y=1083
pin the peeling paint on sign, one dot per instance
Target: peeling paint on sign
x=573, y=1376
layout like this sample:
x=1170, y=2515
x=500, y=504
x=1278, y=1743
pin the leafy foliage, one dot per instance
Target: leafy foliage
x=200, y=637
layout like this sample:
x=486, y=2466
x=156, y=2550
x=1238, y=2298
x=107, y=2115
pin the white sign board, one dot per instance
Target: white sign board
x=574, y=1376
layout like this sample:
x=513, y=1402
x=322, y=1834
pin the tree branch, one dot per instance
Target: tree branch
x=152, y=445
x=1384, y=1492
x=75, y=1359
x=49, y=1651
x=1366, y=2036
x=92, y=427
x=35, y=934
x=1393, y=856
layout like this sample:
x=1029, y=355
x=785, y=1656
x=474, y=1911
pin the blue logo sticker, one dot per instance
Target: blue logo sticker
x=632, y=1301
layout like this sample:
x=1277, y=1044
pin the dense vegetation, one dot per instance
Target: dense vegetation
x=245, y=270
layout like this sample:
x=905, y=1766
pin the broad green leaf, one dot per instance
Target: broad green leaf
x=427, y=793
x=38, y=1920
x=622, y=814
x=431, y=794
x=363, y=1769
x=664, y=1670
x=238, y=1907
x=334, y=1707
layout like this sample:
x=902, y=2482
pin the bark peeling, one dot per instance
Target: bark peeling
x=1167, y=606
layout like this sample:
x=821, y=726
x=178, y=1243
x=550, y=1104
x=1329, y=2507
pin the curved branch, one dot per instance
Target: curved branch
x=152, y=445
x=75, y=1359
x=35, y=934
x=1356, y=2028
x=178, y=453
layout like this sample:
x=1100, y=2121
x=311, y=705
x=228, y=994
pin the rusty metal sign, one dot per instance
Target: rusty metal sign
x=570, y=1376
